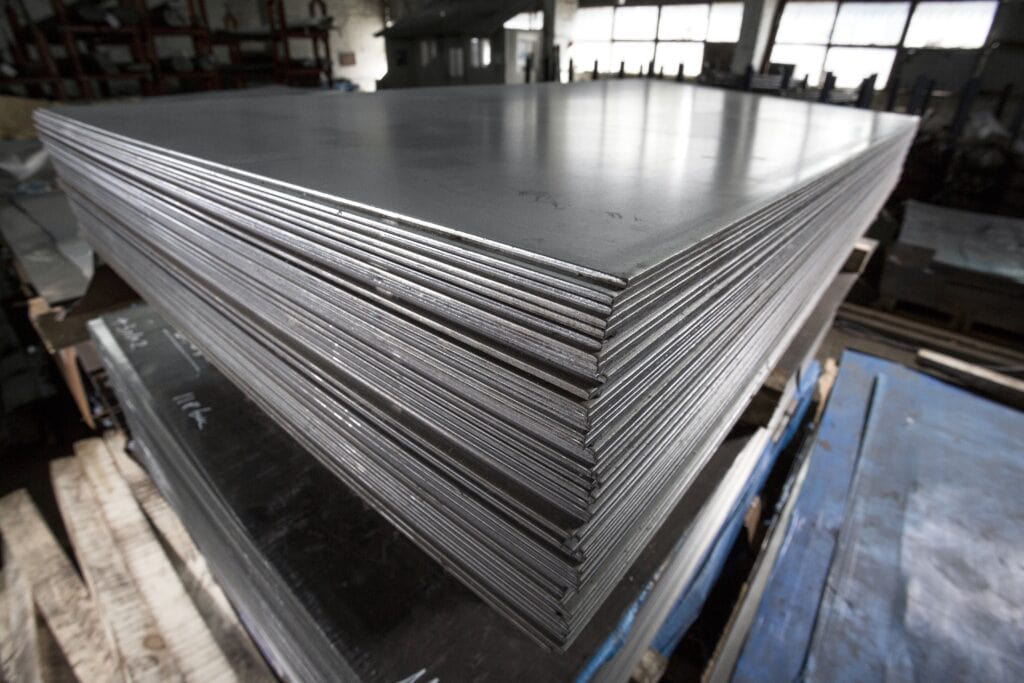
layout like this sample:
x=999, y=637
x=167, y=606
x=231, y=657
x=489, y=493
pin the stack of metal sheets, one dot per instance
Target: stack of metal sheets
x=517, y=321
x=327, y=587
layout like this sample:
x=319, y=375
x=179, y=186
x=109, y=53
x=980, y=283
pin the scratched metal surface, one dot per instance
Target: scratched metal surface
x=611, y=176
x=908, y=533
x=325, y=584
x=928, y=580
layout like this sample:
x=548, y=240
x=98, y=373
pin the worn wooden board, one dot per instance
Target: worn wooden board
x=179, y=623
x=19, y=647
x=191, y=566
x=57, y=590
x=1009, y=390
x=125, y=614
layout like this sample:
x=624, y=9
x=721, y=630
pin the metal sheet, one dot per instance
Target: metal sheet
x=608, y=177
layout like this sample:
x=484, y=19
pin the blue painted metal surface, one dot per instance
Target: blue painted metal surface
x=691, y=597
x=903, y=559
x=779, y=636
x=688, y=606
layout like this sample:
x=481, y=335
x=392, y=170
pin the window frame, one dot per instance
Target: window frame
x=656, y=40
x=898, y=47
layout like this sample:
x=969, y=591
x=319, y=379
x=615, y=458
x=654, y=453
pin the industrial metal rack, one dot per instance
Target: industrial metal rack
x=48, y=55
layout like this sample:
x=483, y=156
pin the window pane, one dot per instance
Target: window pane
x=683, y=22
x=870, y=23
x=593, y=23
x=636, y=23
x=583, y=55
x=851, y=65
x=479, y=52
x=950, y=24
x=456, y=62
x=808, y=60
x=637, y=56
x=725, y=21
x=671, y=55
x=806, y=22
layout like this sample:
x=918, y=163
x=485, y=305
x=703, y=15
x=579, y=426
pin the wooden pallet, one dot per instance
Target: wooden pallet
x=144, y=607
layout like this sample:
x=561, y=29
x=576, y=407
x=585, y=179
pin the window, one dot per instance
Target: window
x=683, y=22
x=724, y=22
x=806, y=22
x=951, y=24
x=635, y=23
x=428, y=51
x=456, y=63
x=636, y=35
x=479, y=53
x=593, y=23
x=526, y=21
x=671, y=55
x=856, y=39
x=851, y=65
x=808, y=60
x=851, y=39
x=870, y=23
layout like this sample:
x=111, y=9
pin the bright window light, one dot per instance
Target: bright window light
x=951, y=24
x=683, y=22
x=851, y=65
x=526, y=21
x=583, y=55
x=724, y=22
x=806, y=22
x=637, y=56
x=479, y=53
x=636, y=23
x=593, y=23
x=870, y=23
x=671, y=55
x=808, y=60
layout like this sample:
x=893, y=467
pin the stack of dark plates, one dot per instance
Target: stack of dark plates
x=327, y=587
x=515, y=320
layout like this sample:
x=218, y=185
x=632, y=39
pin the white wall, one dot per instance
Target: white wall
x=355, y=22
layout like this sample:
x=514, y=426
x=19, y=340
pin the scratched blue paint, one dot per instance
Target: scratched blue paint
x=691, y=597
x=903, y=559
x=689, y=604
x=782, y=629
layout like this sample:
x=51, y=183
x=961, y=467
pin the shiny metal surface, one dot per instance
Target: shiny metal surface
x=608, y=176
x=520, y=411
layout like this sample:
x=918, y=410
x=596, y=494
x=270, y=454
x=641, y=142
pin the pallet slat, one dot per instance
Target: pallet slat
x=125, y=613
x=182, y=628
x=19, y=647
x=195, y=574
x=57, y=590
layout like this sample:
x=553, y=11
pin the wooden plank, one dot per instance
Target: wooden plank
x=195, y=574
x=52, y=664
x=186, y=634
x=57, y=591
x=125, y=613
x=19, y=650
x=1009, y=390
x=921, y=334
